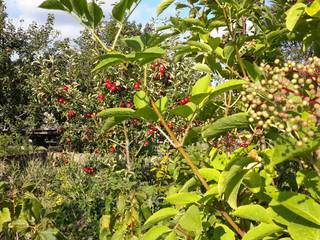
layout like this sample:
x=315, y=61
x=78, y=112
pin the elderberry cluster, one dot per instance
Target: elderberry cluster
x=287, y=98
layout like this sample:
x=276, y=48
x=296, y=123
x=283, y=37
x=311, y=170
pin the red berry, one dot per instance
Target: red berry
x=61, y=101
x=108, y=84
x=186, y=100
x=66, y=88
x=71, y=114
x=136, y=86
x=151, y=131
x=170, y=125
x=88, y=115
x=113, y=88
x=89, y=170
x=146, y=143
x=113, y=149
x=101, y=97
x=129, y=105
x=162, y=69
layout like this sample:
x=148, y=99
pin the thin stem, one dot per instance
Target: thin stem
x=127, y=147
x=117, y=36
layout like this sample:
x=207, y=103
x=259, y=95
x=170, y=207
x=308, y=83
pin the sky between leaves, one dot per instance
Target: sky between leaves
x=28, y=11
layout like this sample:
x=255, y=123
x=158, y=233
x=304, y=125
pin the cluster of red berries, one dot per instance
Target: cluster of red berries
x=89, y=170
x=288, y=98
x=113, y=86
x=61, y=101
x=152, y=129
x=184, y=101
x=71, y=114
x=66, y=88
x=160, y=72
x=88, y=115
x=137, y=85
x=128, y=104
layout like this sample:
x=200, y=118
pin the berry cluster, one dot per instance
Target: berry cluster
x=288, y=98
x=184, y=101
x=137, y=85
x=113, y=86
x=89, y=170
x=71, y=114
x=160, y=72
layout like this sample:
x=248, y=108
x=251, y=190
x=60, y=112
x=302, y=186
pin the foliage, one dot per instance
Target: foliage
x=237, y=158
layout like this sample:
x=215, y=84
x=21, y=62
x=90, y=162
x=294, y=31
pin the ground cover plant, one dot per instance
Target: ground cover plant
x=218, y=137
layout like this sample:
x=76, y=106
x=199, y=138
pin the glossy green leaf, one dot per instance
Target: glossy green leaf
x=150, y=54
x=286, y=149
x=162, y=104
x=202, y=86
x=300, y=204
x=202, y=68
x=184, y=111
x=171, y=236
x=135, y=43
x=201, y=46
x=222, y=125
x=231, y=179
x=113, y=121
x=191, y=220
x=294, y=14
x=140, y=100
x=49, y=234
x=210, y=174
x=147, y=114
x=110, y=60
x=313, y=9
x=261, y=231
x=116, y=112
x=223, y=232
x=227, y=86
x=156, y=232
x=52, y=5
x=96, y=13
x=299, y=231
x=164, y=4
x=5, y=217
x=253, y=70
x=80, y=7
x=253, y=181
x=160, y=215
x=183, y=198
x=254, y=213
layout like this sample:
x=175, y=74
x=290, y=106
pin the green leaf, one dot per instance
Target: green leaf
x=313, y=9
x=253, y=181
x=300, y=204
x=160, y=215
x=253, y=70
x=210, y=174
x=214, y=42
x=183, y=198
x=96, y=13
x=254, y=213
x=147, y=113
x=20, y=225
x=135, y=43
x=191, y=220
x=162, y=104
x=231, y=179
x=80, y=7
x=116, y=112
x=163, y=6
x=5, y=217
x=109, y=60
x=171, y=236
x=222, y=125
x=150, y=54
x=119, y=10
x=49, y=234
x=202, y=86
x=104, y=226
x=202, y=68
x=52, y=5
x=294, y=14
x=298, y=232
x=227, y=86
x=184, y=111
x=140, y=100
x=223, y=232
x=261, y=231
x=156, y=232
x=201, y=46
x=113, y=121
x=228, y=51
x=286, y=149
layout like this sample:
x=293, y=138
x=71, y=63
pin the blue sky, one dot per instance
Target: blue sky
x=24, y=12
